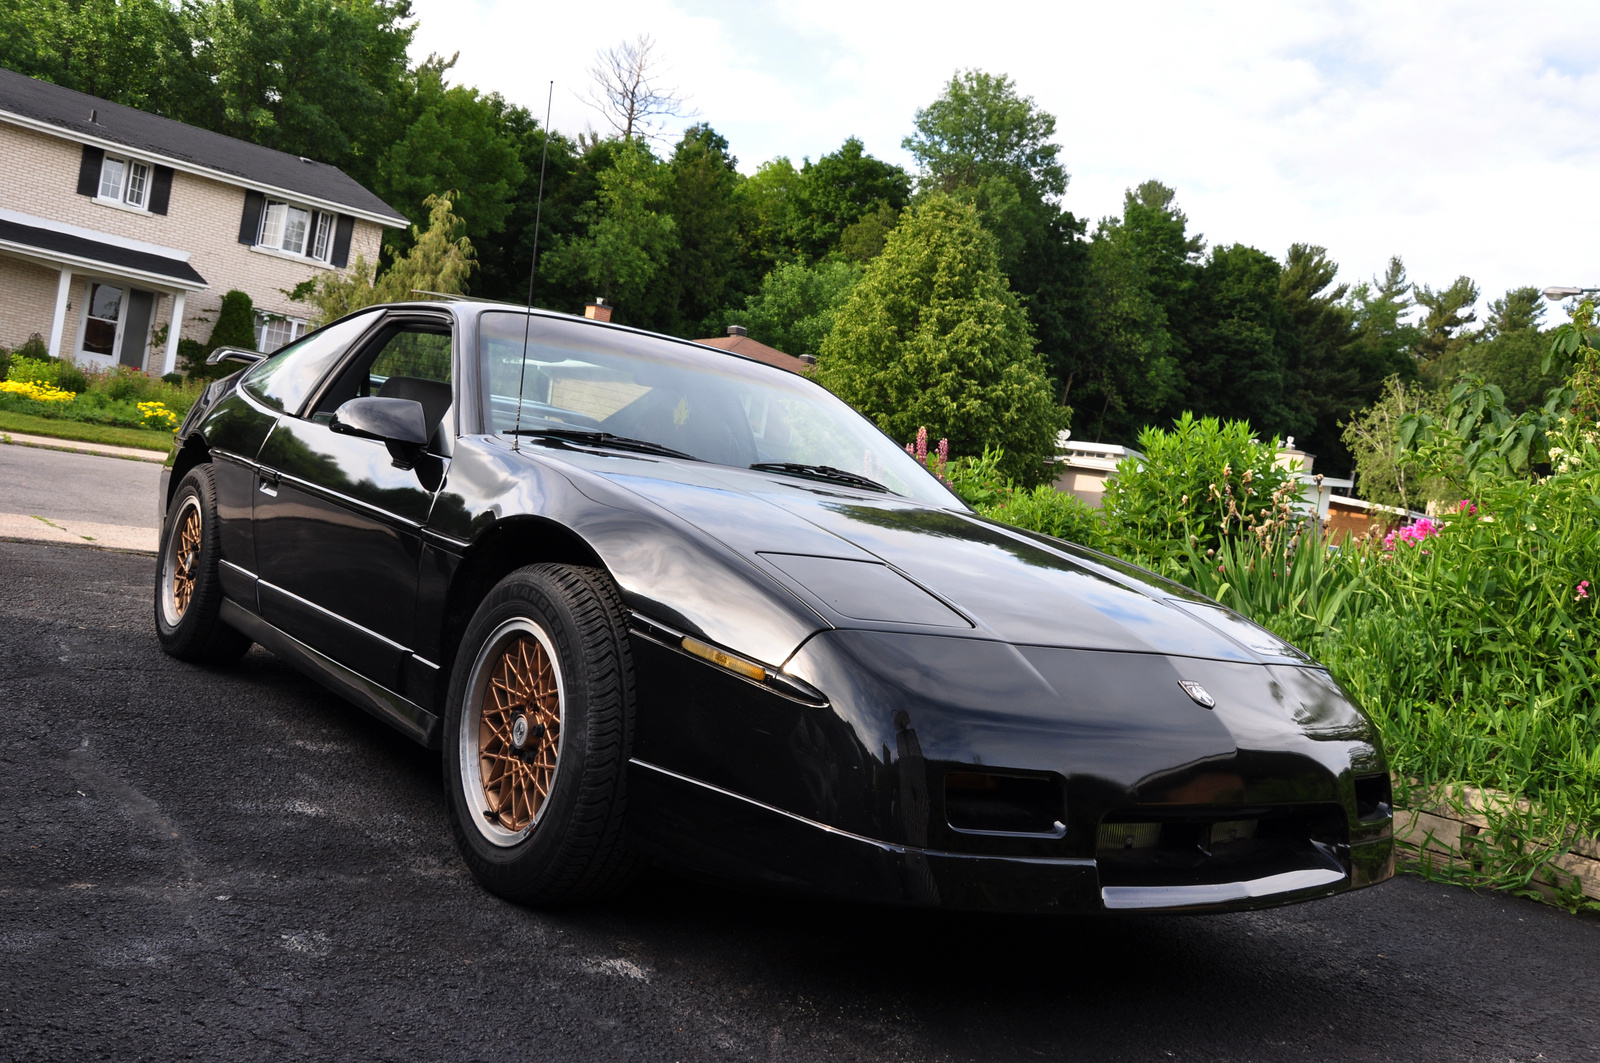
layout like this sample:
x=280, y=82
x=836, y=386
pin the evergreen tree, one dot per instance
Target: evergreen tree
x=708, y=262
x=985, y=144
x=933, y=337
x=1448, y=316
x=1242, y=343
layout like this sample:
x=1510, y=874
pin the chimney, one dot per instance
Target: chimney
x=809, y=359
x=738, y=330
x=598, y=310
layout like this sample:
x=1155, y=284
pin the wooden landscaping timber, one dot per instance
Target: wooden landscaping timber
x=1449, y=827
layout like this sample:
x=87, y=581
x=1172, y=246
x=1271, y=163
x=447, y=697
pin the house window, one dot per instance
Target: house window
x=124, y=181
x=296, y=231
x=275, y=330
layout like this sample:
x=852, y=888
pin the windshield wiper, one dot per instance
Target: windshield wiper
x=598, y=439
x=820, y=472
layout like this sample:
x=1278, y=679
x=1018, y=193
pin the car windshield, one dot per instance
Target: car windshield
x=579, y=378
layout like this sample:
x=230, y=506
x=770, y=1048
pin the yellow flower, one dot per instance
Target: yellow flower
x=37, y=390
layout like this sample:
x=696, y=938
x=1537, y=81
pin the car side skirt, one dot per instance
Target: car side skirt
x=399, y=712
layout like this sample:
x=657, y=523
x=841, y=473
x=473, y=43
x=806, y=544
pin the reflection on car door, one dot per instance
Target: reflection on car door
x=338, y=521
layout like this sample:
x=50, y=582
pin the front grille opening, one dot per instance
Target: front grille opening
x=1198, y=845
x=1374, y=798
x=986, y=803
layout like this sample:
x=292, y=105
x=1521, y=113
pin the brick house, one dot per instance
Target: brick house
x=114, y=222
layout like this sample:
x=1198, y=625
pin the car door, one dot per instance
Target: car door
x=242, y=421
x=338, y=518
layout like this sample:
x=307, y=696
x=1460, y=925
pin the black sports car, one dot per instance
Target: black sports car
x=654, y=600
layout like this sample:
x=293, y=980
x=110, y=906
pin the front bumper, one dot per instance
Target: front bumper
x=730, y=836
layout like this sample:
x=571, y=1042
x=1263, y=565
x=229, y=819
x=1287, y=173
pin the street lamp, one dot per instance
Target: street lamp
x=1556, y=293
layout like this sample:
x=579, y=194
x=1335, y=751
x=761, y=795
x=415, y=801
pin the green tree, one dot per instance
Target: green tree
x=1511, y=352
x=133, y=52
x=840, y=189
x=1384, y=338
x=934, y=337
x=795, y=309
x=707, y=263
x=772, y=195
x=1123, y=365
x=983, y=142
x=1242, y=342
x=310, y=77
x=1446, y=322
x=630, y=236
x=980, y=128
x=451, y=137
x=1373, y=440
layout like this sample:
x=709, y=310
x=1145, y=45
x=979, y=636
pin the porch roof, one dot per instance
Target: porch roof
x=86, y=254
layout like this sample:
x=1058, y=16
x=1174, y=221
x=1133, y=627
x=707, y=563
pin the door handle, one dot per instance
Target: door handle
x=269, y=483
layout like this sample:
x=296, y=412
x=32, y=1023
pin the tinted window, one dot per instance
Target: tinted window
x=284, y=380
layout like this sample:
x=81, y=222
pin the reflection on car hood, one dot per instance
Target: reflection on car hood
x=1025, y=589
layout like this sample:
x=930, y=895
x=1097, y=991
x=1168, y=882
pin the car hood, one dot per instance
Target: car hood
x=978, y=578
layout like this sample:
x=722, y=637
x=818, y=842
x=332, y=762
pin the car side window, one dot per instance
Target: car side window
x=284, y=380
x=407, y=360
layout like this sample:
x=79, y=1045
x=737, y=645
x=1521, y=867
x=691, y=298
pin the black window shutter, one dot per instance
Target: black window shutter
x=160, y=189
x=89, y=170
x=250, y=223
x=341, y=241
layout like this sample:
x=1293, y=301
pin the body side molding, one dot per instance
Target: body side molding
x=401, y=713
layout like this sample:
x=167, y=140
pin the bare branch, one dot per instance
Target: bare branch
x=628, y=91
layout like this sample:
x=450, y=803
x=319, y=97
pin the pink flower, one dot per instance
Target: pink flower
x=1412, y=533
x=1466, y=505
x=1583, y=591
x=922, y=444
x=944, y=451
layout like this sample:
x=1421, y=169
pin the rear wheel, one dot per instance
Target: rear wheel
x=188, y=589
x=538, y=730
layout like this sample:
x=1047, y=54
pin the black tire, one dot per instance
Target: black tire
x=573, y=845
x=186, y=620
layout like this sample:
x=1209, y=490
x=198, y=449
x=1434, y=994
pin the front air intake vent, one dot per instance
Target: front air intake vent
x=988, y=803
x=1374, y=799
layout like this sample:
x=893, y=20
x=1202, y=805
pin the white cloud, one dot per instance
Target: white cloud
x=1463, y=136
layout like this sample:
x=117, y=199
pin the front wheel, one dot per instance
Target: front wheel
x=188, y=589
x=538, y=730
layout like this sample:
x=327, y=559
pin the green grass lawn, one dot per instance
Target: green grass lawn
x=144, y=438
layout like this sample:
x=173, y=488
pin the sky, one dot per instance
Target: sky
x=1464, y=137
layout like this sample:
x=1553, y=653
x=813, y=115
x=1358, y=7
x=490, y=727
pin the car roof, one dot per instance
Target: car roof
x=475, y=307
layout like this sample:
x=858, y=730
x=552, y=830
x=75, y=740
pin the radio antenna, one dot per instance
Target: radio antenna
x=533, y=267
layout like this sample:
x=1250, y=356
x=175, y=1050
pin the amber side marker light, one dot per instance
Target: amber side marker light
x=736, y=665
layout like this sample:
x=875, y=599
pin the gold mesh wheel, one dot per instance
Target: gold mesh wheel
x=519, y=734
x=185, y=561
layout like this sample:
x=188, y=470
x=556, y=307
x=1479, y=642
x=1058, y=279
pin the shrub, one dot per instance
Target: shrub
x=192, y=356
x=1204, y=478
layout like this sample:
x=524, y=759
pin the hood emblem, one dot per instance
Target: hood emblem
x=1198, y=693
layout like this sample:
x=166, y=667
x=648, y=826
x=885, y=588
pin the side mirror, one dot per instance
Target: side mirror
x=234, y=354
x=399, y=423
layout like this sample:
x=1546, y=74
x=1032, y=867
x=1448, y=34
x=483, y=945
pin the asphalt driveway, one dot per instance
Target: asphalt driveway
x=232, y=864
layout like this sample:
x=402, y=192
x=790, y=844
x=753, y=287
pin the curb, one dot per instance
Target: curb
x=71, y=446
